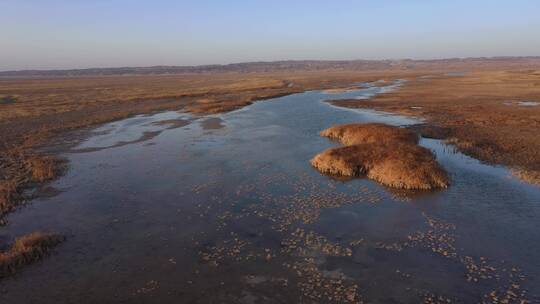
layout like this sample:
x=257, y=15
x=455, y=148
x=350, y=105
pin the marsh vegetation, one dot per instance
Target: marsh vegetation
x=25, y=250
x=387, y=154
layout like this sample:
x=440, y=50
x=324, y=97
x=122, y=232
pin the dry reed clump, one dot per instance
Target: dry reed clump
x=8, y=193
x=529, y=176
x=18, y=169
x=42, y=168
x=354, y=134
x=396, y=162
x=25, y=250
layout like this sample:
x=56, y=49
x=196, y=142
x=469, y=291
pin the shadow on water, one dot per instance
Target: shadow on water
x=228, y=209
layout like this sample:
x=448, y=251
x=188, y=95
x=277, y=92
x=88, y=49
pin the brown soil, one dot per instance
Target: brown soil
x=479, y=112
x=389, y=155
x=25, y=250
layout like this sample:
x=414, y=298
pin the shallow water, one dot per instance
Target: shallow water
x=228, y=209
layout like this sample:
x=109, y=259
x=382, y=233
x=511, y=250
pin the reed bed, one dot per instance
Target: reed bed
x=27, y=249
x=386, y=154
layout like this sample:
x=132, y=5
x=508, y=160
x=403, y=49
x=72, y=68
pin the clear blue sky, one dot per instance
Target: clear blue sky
x=101, y=33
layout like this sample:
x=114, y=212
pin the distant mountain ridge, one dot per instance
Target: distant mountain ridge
x=290, y=65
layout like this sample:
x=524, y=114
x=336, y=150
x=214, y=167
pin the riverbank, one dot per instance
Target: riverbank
x=490, y=115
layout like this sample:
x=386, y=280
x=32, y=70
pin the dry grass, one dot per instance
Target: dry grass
x=9, y=196
x=42, y=168
x=19, y=169
x=389, y=155
x=532, y=177
x=25, y=250
x=354, y=134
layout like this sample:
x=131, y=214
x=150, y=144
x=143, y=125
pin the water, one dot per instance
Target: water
x=228, y=209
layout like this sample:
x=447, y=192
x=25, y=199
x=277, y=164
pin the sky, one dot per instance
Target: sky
x=62, y=34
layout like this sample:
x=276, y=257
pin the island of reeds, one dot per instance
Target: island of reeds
x=389, y=155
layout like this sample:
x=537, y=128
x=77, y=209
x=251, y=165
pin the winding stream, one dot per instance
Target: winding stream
x=227, y=208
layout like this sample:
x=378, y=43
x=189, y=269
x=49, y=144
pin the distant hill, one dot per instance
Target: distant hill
x=302, y=65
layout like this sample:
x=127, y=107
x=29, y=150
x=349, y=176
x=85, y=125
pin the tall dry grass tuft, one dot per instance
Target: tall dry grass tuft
x=529, y=176
x=392, y=160
x=354, y=134
x=25, y=250
x=19, y=169
x=42, y=168
x=9, y=193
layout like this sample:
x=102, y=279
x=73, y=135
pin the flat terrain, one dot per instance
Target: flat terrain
x=491, y=115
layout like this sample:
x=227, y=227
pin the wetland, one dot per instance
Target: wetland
x=175, y=206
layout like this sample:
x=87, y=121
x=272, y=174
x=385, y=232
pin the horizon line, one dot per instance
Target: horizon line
x=267, y=62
